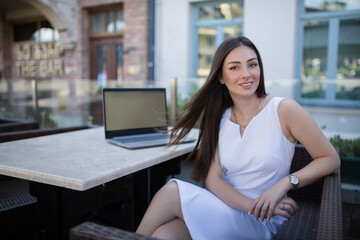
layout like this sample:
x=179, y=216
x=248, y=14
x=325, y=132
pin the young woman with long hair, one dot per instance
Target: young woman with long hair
x=244, y=152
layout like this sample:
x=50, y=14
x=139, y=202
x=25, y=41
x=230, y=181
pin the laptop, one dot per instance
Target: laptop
x=133, y=117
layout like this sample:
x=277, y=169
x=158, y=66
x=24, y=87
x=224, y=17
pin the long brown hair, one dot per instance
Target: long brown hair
x=211, y=101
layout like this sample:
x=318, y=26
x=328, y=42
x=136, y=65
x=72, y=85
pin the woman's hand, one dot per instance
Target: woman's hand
x=286, y=207
x=266, y=204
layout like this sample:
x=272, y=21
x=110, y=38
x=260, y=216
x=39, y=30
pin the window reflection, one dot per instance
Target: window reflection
x=120, y=62
x=232, y=31
x=39, y=31
x=331, y=5
x=314, y=70
x=226, y=11
x=120, y=21
x=108, y=22
x=111, y=22
x=348, y=65
x=207, y=40
x=98, y=22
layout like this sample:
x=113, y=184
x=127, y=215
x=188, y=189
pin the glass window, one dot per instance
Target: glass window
x=101, y=68
x=314, y=72
x=211, y=30
x=120, y=21
x=329, y=69
x=46, y=33
x=232, y=31
x=111, y=22
x=226, y=11
x=25, y=31
x=98, y=22
x=206, y=46
x=31, y=32
x=348, y=62
x=331, y=5
x=120, y=62
x=108, y=21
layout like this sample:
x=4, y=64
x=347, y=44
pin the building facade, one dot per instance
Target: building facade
x=310, y=49
x=70, y=39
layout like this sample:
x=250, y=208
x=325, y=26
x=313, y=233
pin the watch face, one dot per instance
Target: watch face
x=294, y=180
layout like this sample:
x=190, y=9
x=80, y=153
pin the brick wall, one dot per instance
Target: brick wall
x=77, y=59
x=136, y=39
x=6, y=48
x=134, y=36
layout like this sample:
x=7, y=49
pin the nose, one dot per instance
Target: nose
x=244, y=73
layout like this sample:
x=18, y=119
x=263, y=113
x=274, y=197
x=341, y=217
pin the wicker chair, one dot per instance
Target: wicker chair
x=319, y=215
x=320, y=207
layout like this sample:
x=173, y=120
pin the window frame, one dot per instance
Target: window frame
x=218, y=24
x=106, y=10
x=333, y=19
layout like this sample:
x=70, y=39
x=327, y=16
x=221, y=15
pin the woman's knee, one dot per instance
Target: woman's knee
x=169, y=198
x=170, y=190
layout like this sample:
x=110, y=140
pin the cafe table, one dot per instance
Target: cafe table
x=75, y=174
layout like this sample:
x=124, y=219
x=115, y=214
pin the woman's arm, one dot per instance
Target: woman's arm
x=215, y=184
x=229, y=195
x=297, y=124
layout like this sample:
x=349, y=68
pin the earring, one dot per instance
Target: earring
x=221, y=81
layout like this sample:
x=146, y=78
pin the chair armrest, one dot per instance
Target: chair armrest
x=94, y=231
x=330, y=222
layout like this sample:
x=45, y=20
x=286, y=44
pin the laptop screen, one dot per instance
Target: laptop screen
x=134, y=109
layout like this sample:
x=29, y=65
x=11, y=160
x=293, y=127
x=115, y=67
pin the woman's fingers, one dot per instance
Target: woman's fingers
x=290, y=205
x=282, y=213
x=270, y=212
x=257, y=209
x=264, y=210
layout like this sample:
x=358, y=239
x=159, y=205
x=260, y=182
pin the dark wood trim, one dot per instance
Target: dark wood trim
x=106, y=35
x=106, y=8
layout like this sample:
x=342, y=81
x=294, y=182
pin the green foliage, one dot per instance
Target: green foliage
x=48, y=119
x=54, y=119
x=5, y=114
x=347, y=147
x=181, y=102
x=90, y=120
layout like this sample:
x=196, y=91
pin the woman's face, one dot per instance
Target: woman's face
x=241, y=72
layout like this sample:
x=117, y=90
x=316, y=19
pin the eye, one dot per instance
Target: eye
x=234, y=68
x=253, y=65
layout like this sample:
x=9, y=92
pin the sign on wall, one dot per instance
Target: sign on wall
x=38, y=60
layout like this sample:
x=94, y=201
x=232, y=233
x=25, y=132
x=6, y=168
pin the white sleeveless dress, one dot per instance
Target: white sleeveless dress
x=251, y=163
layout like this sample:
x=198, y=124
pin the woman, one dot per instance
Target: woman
x=245, y=147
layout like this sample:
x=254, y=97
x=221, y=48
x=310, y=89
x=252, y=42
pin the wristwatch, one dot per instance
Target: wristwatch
x=294, y=181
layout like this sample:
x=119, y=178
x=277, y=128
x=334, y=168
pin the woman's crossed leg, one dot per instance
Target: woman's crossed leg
x=164, y=219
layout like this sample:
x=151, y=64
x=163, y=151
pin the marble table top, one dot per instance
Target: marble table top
x=79, y=160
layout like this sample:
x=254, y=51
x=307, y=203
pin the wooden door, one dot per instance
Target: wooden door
x=106, y=59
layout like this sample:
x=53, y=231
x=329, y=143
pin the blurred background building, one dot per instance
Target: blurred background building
x=310, y=49
x=56, y=55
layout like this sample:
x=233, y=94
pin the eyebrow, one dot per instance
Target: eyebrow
x=251, y=59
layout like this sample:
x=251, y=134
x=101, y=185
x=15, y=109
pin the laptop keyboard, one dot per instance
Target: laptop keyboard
x=142, y=138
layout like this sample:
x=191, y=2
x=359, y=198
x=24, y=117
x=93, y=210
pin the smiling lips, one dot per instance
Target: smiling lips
x=246, y=84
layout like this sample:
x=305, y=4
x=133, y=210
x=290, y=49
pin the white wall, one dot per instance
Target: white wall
x=172, y=39
x=271, y=25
